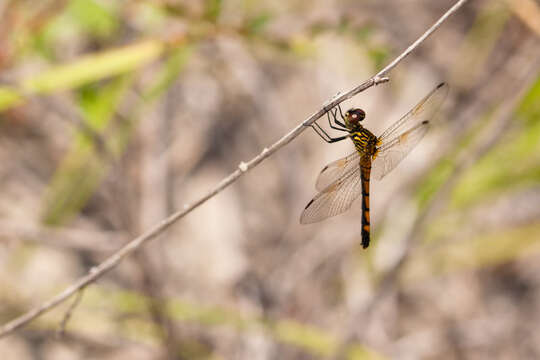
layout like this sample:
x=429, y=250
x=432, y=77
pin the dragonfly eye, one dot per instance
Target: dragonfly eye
x=355, y=115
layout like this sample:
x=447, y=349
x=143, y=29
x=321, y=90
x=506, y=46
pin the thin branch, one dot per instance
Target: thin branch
x=414, y=45
x=98, y=271
x=62, y=328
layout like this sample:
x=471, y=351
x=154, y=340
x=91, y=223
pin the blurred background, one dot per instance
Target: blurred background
x=114, y=114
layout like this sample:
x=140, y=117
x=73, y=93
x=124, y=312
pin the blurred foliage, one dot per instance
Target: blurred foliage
x=87, y=70
x=93, y=17
x=213, y=9
x=137, y=327
x=497, y=170
x=480, y=42
x=514, y=162
x=84, y=167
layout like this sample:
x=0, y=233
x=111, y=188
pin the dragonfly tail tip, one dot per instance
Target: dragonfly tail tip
x=365, y=240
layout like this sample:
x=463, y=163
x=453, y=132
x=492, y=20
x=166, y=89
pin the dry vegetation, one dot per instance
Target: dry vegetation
x=115, y=114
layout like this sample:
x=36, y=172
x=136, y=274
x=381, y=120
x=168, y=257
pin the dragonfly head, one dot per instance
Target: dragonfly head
x=353, y=117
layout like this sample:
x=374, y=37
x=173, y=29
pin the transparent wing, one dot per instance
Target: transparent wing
x=424, y=110
x=417, y=121
x=391, y=152
x=336, y=169
x=334, y=199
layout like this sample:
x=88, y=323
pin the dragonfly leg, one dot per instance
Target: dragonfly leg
x=340, y=114
x=324, y=135
x=339, y=138
x=341, y=126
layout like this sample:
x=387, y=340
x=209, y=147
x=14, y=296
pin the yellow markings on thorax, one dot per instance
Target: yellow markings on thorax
x=364, y=141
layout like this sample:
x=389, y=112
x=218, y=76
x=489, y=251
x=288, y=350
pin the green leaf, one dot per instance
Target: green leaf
x=93, y=17
x=86, y=70
x=94, y=67
x=82, y=168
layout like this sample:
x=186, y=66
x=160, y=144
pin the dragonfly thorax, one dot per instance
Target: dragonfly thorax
x=353, y=117
x=364, y=141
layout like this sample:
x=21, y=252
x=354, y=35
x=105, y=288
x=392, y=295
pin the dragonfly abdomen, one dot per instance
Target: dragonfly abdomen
x=365, y=170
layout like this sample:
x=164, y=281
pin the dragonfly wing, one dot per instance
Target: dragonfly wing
x=424, y=110
x=391, y=152
x=335, y=170
x=334, y=199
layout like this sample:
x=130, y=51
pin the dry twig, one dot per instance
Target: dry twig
x=99, y=270
x=62, y=328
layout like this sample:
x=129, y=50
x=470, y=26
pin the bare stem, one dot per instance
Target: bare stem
x=62, y=328
x=113, y=260
x=424, y=36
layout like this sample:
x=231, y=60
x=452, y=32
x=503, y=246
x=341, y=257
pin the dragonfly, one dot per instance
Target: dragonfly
x=342, y=181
